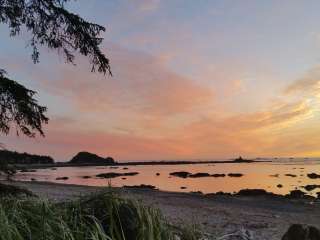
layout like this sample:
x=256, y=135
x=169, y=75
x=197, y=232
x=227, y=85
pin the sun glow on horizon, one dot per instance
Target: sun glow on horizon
x=191, y=81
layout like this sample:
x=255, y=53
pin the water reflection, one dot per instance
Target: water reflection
x=276, y=177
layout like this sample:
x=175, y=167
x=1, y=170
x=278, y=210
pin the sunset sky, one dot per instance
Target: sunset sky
x=192, y=80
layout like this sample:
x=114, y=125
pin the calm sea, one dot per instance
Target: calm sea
x=255, y=175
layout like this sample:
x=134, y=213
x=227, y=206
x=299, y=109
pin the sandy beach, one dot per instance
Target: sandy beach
x=266, y=217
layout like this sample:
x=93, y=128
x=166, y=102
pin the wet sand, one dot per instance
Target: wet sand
x=266, y=217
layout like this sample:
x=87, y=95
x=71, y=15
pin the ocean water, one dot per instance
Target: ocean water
x=262, y=175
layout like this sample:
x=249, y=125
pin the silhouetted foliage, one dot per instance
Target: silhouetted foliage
x=52, y=26
x=19, y=108
x=11, y=157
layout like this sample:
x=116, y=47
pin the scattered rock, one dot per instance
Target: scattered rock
x=220, y=193
x=125, y=168
x=253, y=192
x=301, y=232
x=143, y=186
x=197, y=192
x=114, y=174
x=197, y=175
x=62, y=178
x=218, y=175
x=290, y=175
x=241, y=160
x=86, y=177
x=27, y=170
x=235, y=174
x=274, y=175
x=33, y=179
x=296, y=194
x=311, y=187
x=53, y=168
x=279, y=186
x=313, y=175
x=114, y=167
x=181, y=174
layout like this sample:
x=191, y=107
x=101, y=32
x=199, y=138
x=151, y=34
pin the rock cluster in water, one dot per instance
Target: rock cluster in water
x=115, y=174
x=183, y=174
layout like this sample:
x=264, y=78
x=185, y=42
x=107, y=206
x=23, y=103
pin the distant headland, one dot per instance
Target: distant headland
x=85, y=158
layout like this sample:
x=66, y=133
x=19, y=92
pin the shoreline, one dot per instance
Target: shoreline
x=141, y=163
x=266, y=216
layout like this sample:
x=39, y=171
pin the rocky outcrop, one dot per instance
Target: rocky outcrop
x=301, y=232
x=253, y=192
x=235, y=174
x=241, y=160
x=313, y=175
x=115, y=174
x=90, y=158
x=181, y=174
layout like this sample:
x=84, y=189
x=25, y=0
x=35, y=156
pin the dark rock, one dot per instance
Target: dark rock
x=158, y=174
x=183, y=187
x=197, y=175
x=301, y=232
x=253, y=192
x=313, y=175
x=114, y=174
x=124, y=178
x=62, y=178
x=181, y=174
x=114, y=167
x=53, y=168
x=274, y=175
x=27, y=170
x=33, y=179
x=125, y=168
x=143, y=186
x=220, y=193
x=235, y=174
x=218, y=175
x=290, y=175
x=86, y=177
x=197, y=192
x=296, y=194
x=279, y=186
x=90, y=158
x=311, y=187
x=241, y=160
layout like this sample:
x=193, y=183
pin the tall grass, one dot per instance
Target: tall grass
x=103, y=216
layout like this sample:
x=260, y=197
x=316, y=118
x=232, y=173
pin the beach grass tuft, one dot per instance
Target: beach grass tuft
x=103, y=216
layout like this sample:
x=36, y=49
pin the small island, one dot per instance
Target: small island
x=241, y=160
x=84, y=158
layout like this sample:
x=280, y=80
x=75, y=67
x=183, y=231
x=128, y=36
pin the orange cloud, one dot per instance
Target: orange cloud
x=310, y=83
x=146, y=111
